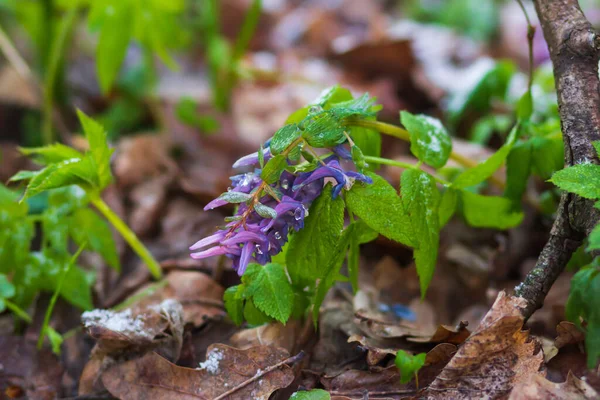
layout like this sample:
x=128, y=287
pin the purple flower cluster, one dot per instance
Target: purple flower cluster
x=250, y=236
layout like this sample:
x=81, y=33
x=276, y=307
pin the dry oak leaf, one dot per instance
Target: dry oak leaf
x=227, y=373
x=568, y=333
x=541, y=388
x=493, y=360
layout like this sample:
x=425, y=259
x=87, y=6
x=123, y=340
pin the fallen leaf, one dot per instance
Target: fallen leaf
x=568, y=333
x=273, y=334
x=541, y=388
x=494, y=359
x=226, y=368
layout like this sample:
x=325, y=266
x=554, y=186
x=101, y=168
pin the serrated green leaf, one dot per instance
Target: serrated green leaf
x=265, y=211
x=331, y=271
x=235, y=197
x=87, y=227
x=315, y=394
x=369, y=142
x=116, y=32
x=69, y=172
x=489, y=211
x=273, y=169
x=518, y=167
x=15, y=241
x=284, y=137
x=253, y=315
x=485, y=169
x=379, y=205
x=52, y=153
x=7, y=289
x=234, y=304
x=429, y=140
x=99, y=150
x=581, y=179
x=409, y=365
x=272, y=292
x=421, y=199
x=447, y=206
x=310, y=248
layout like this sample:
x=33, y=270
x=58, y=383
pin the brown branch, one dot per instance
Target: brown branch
x=574, y=51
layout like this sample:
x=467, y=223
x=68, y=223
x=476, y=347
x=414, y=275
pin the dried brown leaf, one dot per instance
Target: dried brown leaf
x=541, y=388
x=494, y=359
x=153, y=377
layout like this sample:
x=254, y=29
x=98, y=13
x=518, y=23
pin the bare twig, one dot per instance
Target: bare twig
x=575, y=53
x=289, y=360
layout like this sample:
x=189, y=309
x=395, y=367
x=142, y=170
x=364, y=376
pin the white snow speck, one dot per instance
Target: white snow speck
x=211, y=365
x=122, y=322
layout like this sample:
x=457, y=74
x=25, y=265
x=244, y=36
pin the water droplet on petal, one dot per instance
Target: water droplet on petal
x=285, y=184
x=298, y=214
x=258, y=250
x=277, y=235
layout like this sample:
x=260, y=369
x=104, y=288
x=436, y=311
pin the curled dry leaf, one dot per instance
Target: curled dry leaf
x=273, y=334
x=129, y=333
x=239, y=373
x=200, y=296
x=385, y=382
x=541, y=388
x=568, y=333
x=494, y=359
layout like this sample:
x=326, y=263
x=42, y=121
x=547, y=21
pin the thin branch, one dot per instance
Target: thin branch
x=289, y=360
x=574, y=53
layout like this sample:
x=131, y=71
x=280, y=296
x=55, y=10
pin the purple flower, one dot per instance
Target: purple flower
x=343, y=179
x=253, y=236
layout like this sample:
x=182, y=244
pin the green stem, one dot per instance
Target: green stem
x=396, y=131
x=18, y=311
x=55, y=58
x=129, y=237
x=57, y=290
x=394, y=163
x=247, y=30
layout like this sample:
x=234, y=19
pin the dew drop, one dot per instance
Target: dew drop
x=315, y=109
x=285, y=184
x=258, y=250
x=277, y=235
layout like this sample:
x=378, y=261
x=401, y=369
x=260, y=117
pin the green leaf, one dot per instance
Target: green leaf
x=55, y=338
x=525, y=106
x=87, y=227
x=51, y=154
x=235, y=197
x=7, y=289
x=353, y=263
x=23, y=176
x=447, y=206
x=15, y=241
x=100, y=152
x=379, y=205
x=518, y=167
x=69, y=172
x=547, y=156
x=369, y=141
x=310, y=248
x=234, y=304
x=581, y=179
x=489, y=211
x=331, y=271
x=596, y=145
x=421, y=199
x=409, y=365
x=315, y=394
x=429, y=140
x=272, y=292
x=485, y=169
x=253, y=315
x=284, y=137
x=187, y=112
x=117, y=30
x=265, y=211
x=273, y=169
x=594, y=239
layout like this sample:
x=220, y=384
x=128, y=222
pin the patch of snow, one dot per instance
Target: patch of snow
x=122, y=322
x=211, y=365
